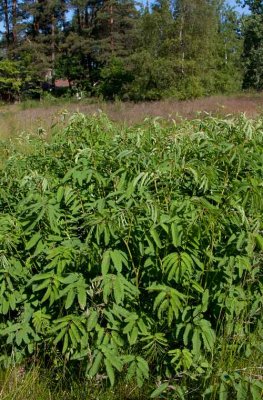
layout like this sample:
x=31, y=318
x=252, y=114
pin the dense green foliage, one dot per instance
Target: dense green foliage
x=253, y=46
x=136, y=254
x=120, y=48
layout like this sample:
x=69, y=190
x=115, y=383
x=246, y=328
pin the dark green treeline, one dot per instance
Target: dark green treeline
x=122, y=49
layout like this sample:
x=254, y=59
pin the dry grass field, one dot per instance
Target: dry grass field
x=31, y=117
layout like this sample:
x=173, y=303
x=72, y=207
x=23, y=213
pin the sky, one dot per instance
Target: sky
x=238, y=8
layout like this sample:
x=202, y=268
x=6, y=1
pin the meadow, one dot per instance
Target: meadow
x=131, y=259
x=31, y=116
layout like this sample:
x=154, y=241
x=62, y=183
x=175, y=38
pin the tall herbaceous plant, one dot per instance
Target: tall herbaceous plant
x=136, y=253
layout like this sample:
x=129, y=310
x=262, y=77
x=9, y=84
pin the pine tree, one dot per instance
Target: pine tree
x=114, y=27
x=11, y=15
x=44, y=32
x=100, y=32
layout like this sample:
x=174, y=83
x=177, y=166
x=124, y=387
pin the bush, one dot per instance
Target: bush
x=114, y=77
x=134, y=253
x=10, y=80
x=153, y=77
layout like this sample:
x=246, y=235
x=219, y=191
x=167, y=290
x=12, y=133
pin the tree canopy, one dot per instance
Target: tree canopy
x=123, y=49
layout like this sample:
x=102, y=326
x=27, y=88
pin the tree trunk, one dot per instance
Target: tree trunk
x=14, y=20
x=53, y=55
x=181, y=40
x=79, y=21
x=111, y=29
x=7, y=24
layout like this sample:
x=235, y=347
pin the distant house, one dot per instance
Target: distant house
x=62, y=83
x=58, y=84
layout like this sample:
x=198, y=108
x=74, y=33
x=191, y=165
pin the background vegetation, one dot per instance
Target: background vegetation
x=123, y=49
x=133, y=256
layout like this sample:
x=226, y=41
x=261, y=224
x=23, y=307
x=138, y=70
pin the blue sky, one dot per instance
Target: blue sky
x=238, y=8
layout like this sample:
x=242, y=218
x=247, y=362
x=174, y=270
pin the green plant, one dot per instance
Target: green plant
x=136, y=253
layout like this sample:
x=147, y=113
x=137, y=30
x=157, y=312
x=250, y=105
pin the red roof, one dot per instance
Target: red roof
x=61, y=83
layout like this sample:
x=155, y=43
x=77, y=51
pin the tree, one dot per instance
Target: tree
x=229, y=50
x=173, y=48
x=11, y=15
x=190, y=40
x=101, y=32
x=10, y=80
x=253, y=46
x=114, y=30
x=255, y=6
x=45, y=24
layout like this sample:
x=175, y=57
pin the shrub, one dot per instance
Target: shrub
x=130, y=252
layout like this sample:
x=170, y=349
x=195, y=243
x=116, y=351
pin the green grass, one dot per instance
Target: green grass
x=39, y=384
x=131, y=261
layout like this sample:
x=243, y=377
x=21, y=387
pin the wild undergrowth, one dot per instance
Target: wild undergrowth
x=133, y=256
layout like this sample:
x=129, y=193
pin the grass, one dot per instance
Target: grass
x=28, y=116
x=39, y=384
x=36, y=383
x=14, y=122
